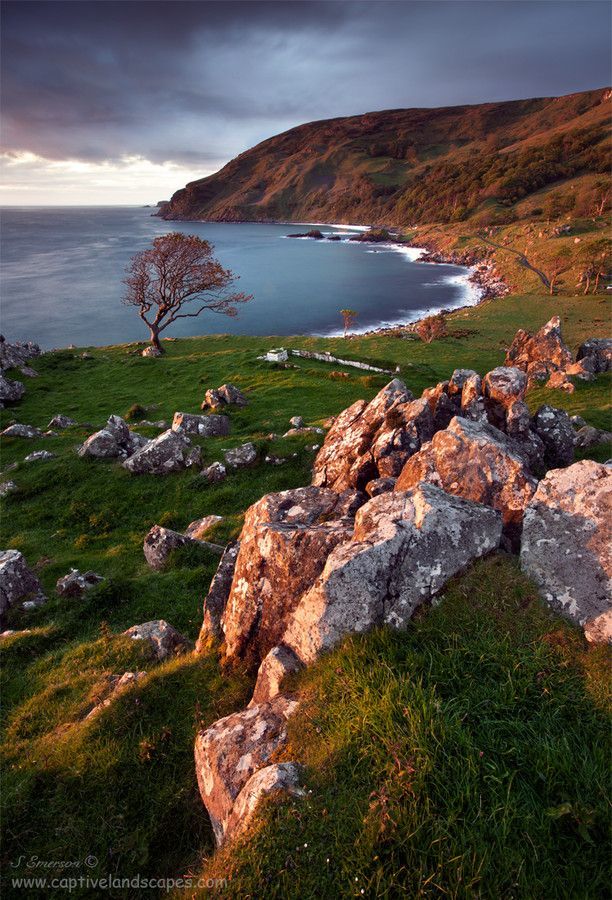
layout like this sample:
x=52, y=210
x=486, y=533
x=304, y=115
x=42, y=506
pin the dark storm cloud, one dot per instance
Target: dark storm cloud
x=197, y=82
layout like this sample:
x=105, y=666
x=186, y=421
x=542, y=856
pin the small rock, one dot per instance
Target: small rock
x=39, y=456
x=17, y=582
x=10, y=391
x=7, y=487
x=559, y=381
x=296, y=422
x=578, y=422
x=75, y=583
x=275, y=666
x=200, y=527
x=193, y=458
x=151, y=352
x=205, y=426
x=275, y=460
x=588, y=436
x=61, y=421
x=599, y=629
x=214, y=473
x=22, y=431
x=242, y=456
x=161, y=542
x=117, y=685
x=163, y=638
x=227, y=395
x=298, y=432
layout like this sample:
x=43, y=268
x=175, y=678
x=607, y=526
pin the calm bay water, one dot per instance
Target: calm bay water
x=62, y=270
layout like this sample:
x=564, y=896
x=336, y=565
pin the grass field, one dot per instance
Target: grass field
x=393, y=725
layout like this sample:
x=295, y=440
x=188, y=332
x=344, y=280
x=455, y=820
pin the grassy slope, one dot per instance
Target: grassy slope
x=123, y=787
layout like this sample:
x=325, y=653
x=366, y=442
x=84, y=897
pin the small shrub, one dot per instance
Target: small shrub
x=432, y=328
x=135, y=413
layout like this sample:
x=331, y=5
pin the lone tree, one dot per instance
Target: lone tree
x=431, y=328
x=178, y=272
x=348, y=317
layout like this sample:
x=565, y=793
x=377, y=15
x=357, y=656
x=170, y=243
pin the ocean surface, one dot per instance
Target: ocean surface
x=62, y=269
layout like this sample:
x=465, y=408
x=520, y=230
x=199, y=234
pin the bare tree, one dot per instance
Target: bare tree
x=348, y=317
x=562, y=260
x=431, y=328
x=178, y=272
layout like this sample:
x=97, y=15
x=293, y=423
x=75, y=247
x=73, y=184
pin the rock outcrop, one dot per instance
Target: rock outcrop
x=216, y=599
x=18, y=584
x=114, y=441
x=164, y=454
x=566, y=545
x=540, y=354
x=165, y=641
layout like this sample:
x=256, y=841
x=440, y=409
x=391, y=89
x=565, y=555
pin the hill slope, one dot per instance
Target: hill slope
x=489, y=162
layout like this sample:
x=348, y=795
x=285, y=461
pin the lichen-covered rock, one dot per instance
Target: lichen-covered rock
x=472, y=401
x=540, y=354
x=17, y=582
x=276, y=779
x=204, y=426
x=114, y=441
x=216, y=599
x=279, y=662
x=443, y=406
x=554, y=427
x=502, y=388
x=161, y=542
x=380, y=486
x=405, y=547
x=164, y=640
x=599, y=629
x=163, y=454
x=214, y=473
x=75, y=583
x=10, y=391
x=476, y=461
x=588, y=436
x=566, y=546
x=239, y=457
x=16, y=354
x=598, y=353
x=284, y=543
x=404, y=430
x=345, y=460
x=232, y=750
x=560, y=382
x=226, y=395
x=199, y=528
x=296, y=422
x=22, y=431
x=61, y=421
x=39, y=456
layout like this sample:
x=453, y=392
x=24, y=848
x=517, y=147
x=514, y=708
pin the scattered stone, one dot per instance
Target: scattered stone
x=199, y=528
x=554, y=427
x=405, y=547
x=117, y=685
x=476, y=461
x=242, y=456
x=296, y=422
x=22, y=431
x=114, y=441
x=161, y=542
x=214, y=473
x=275, y=460
x=232, y=750
x=227, y=395
x=599, y=629
x=205, y=426
x=163, y=638
x=151, y=352
x=163, y=454
x=565, y=545
x=298, y=432
x=10, y=391
x=275, y=666
x=39, y=456
x=75, y=583
x=7, y=487
x=61, y=421
x=193, y=457
x=17, y=582
x=216, y=599
x=588, y=436
x=598, y=353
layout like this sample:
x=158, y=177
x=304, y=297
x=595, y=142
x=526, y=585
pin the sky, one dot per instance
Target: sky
x=125, y=102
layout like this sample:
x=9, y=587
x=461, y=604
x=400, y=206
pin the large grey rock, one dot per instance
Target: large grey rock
x=405, y=547
x=216, y=599
x=75, y=583
x=204, y=426
x=22, y=431
x=160, y=456
x=239, y=457
x=10, y=391
x=276, y=779
x=231, y=751
x=554, y=427
x=566, y=546
x=161, y=542
x=165, y=641
x=114, y=441
x=17, y=582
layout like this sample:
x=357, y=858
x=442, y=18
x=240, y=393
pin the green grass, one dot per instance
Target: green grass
x=122, y=787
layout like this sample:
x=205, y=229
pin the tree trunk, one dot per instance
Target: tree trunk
x=552, y=286
x=588, y=284
x=597, y=277
x=155, y=338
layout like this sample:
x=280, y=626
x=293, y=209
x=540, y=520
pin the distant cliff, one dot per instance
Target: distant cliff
x=491, y=163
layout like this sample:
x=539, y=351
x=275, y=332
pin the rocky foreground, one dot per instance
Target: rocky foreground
x=406, y=493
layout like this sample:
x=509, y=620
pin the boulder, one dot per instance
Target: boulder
x=540, y=354
x=476, y=461
x=17, y=582
x=114, y=441
x=405, y=429
x=587, y=436
x=284, y=543
x=10, y=391
x=226, y=395
x=566, y=545
x=163, y=638
x=345, y=459
x=276, y=779
x=204, y=426
x=39, y=456
x=199, y=528
x=232, y=750
x=274, y=668
x=554, y=427
x=405, y=547
x=598, y=352
x=216, y=599
x=239, y=457
x=443, y=407
x=502, y=388
x=75, y=583
x=61, y=421
x=161, y=542
x=214, y=473
x=22, y=431
x=163, y=454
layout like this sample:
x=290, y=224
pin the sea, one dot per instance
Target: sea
x=62, y=268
